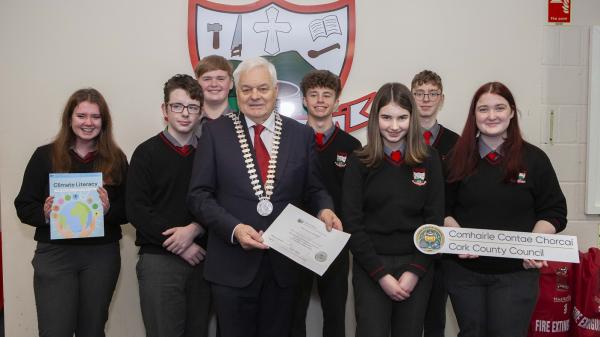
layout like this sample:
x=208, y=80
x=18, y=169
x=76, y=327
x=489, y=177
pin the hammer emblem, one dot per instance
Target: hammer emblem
x=215, y=28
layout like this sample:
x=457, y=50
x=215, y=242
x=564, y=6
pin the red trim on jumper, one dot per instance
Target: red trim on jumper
x=328, y=142
x=375, y=271
x=439, y=136
x=88, y=157
x=418, y=266
x=183, y=151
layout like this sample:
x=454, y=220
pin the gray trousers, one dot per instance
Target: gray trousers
x=73, y=286
x=491, y=305
x=377, y=314
x=174, y=297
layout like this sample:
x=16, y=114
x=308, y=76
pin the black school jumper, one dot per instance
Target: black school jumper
x=74, y=279
x=435, y=317
x=333, y=285
x=174, y=297
x=495, y=296
x=382, y=208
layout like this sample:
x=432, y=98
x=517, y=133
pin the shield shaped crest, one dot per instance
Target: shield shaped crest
x=295, y=38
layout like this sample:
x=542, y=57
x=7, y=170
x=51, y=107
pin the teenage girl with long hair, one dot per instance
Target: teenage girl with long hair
x=498, y=181
x=391, y=187
x=74, y=279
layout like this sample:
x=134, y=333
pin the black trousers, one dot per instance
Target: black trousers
x=73, y=286
x=491, y=305
x=174, y=297
x=333, y=292
x=261, y=309
x=377, y=314
x=435, y=316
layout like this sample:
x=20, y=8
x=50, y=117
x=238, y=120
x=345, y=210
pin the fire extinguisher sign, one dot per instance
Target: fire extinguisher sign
x=559, y=11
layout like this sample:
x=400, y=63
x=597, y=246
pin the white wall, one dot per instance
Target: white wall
x=127, y=49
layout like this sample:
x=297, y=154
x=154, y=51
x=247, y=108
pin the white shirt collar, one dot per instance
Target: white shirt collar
x=269, y=124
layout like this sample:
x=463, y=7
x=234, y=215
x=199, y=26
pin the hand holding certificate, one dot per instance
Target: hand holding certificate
x=304, y=239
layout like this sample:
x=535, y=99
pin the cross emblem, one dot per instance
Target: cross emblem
x=272, y=27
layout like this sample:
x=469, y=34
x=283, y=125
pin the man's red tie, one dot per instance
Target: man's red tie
x=427, y=135
x=319, y=137
x=262, y=155
x=396, y=156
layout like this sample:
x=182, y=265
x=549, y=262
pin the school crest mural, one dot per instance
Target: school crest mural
x=295, y=38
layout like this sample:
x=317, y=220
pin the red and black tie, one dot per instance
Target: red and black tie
x=427, y=135
x=493, y=156
x=396, y=156
x=262, y=155
x=319, y=138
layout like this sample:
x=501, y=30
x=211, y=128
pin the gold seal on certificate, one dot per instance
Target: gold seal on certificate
x=321, y=256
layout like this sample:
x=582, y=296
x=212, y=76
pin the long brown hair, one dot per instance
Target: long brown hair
x=465, y=155
x=110, y=159
x=416, y=150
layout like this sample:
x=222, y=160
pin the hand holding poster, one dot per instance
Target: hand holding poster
x=77, y=210
x=432, y=239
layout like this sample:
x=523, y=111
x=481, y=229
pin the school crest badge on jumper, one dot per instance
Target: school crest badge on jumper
x=419, y=176
x=294, y=38
x=521, y=178
x=340, y=159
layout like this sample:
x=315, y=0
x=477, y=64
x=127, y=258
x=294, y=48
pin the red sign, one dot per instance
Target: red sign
x=559, y=11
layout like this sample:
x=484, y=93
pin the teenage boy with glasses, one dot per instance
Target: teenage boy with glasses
x=427, y=89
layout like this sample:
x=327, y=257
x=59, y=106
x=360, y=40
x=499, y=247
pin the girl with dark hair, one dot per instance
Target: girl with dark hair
x=498, y=181
x=74, y=279
x=391, y=187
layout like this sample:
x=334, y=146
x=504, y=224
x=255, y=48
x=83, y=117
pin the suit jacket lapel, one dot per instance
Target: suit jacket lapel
x=285, y=151
x=249, y=140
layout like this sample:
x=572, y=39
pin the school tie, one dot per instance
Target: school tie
x=319, y=137
x=396, y=156
x=427, y=135
x=493, y=156
x=184, y=150
x=262, y=155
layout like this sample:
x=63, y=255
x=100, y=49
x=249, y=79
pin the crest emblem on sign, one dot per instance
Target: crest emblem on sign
x=429, y=239
x=295, y=38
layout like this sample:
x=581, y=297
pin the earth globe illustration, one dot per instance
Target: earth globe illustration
x=74, y=217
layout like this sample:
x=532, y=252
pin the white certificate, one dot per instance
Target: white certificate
x=432, y=239
x=304, y=239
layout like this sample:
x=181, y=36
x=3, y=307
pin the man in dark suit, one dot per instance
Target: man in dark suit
x=248, y=167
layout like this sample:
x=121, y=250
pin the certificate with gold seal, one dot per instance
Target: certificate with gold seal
x=304, y=239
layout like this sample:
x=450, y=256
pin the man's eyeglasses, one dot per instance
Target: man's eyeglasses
x=433, y=95
x=193, y=109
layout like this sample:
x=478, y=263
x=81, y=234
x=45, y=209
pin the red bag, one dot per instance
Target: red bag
x=586, y=310
x=552, y=314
